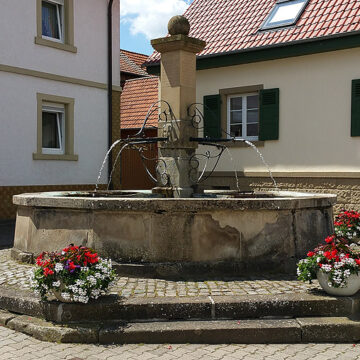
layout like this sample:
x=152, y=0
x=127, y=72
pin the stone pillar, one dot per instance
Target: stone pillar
x=178, y=88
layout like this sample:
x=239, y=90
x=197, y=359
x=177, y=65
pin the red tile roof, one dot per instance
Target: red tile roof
x=131, y=62
x=235, y=25
x=136, y=98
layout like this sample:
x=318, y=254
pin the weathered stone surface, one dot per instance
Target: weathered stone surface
x=179, y=25
x=255, y=234
x=22, y=257
x=21, y=302
x=294, y=305
x=45, y=331
x=200, y=332
x=331, y=329
x=347, y=189
x=5, y=317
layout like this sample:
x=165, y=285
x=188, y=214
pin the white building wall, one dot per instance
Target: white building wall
x=18, y=133
x=18, y=103
x=315, y=111
x=18, y=48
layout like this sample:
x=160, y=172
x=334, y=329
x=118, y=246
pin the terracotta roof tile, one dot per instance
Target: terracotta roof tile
x=131, y=62
x=235, y=25
x=137, y=58
x=136, y=98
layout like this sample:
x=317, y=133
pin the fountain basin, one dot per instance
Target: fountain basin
x=253, y=233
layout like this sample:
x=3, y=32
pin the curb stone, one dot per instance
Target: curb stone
x=5, y=317
x=260, y=331
x=46, y=331
x=113, y=307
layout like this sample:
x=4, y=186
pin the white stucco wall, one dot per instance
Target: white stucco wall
x=18, y=102
x=18, y=48
x=315, y=111
x=18, y=133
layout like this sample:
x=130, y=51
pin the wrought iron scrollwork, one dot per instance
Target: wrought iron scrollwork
x=207, y=156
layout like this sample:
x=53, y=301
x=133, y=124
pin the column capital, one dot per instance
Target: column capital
x=178, y=42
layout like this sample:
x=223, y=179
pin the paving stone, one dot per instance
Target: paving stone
x=16, y=276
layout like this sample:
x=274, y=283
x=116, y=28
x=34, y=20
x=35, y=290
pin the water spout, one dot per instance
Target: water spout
x=263, y=161
x=104, y=162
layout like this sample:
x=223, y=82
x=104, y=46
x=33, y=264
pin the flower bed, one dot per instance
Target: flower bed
x=336, y=258
x=77, y=274
x=347, y=225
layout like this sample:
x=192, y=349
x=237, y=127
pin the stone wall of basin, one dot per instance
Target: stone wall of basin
x=256, y=234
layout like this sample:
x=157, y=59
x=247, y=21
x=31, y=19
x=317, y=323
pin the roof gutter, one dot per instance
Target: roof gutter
x=110, y=120
x=273, y=52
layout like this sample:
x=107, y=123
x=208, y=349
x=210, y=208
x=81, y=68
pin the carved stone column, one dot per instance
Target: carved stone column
x=178, y=88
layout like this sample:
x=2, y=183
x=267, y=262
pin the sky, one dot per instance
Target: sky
x=143, y=20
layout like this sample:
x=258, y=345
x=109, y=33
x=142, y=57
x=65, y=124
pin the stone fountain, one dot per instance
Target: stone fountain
x=172, y=230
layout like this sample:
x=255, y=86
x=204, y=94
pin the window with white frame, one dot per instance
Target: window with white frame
x=243, y=116
x=52, y=16
x=285, y=13
x=53, y=129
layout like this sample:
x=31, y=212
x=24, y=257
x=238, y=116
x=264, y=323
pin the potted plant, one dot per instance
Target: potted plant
x=335, y=264
x=76, y=274
x=347, y=225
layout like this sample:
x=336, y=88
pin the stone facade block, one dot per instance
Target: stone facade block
x=347, y=190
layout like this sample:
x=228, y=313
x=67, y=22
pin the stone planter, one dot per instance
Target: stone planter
x=353, y=285
x=57, y=294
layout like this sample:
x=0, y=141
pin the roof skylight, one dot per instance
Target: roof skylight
x=285, y=13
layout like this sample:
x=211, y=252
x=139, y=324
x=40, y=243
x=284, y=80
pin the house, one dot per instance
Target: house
x=58, y=112
x=284, y=75
x=131, y=65
x=138, y=96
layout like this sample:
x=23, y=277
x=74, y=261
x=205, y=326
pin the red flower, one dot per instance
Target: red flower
x=357, y=261
x=310, y=254
x=320, y=264
x=71, y=266
x=329, y=239
x=47, y=272
x=327, y=255
x=333, y=253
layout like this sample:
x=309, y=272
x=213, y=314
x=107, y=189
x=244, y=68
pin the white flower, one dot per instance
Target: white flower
x=56, y=284
x=95, y=293
x=92, y=280
x=84, y=268
x=79, y=282
x=326, y=267
x=83, y=299
x=59, y=267
x=65, y=295
x=318, y=259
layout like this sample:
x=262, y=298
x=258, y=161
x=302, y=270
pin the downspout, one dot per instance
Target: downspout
x=110, y=120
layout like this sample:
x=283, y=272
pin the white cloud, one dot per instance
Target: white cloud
x=150, y=17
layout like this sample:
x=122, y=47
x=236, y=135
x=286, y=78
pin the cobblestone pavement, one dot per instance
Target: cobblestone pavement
x=14, y=275
x=19, y=346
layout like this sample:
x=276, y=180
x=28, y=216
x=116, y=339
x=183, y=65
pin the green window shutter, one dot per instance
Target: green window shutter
x=269, y=115
x=355, y=108
x=212, y=116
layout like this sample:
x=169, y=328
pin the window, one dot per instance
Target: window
x=55, y=24
x=55, y=128
x=249, y=112
x=52, y=20
x=285, y=13
x=243, y=116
